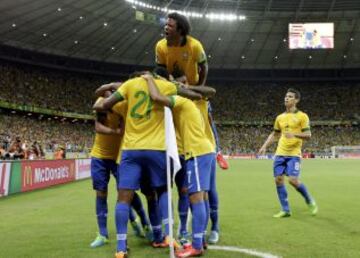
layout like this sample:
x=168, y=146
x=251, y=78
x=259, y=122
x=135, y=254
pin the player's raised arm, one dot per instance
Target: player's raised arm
x=154, y=92
x=113, y=86
x=101, y=128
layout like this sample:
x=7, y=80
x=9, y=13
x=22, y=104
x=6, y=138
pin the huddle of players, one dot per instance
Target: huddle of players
x=139, y=104
x=130, y=129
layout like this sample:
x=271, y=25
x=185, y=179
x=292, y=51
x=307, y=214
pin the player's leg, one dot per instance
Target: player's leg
x=214, y=206
x=279, y=170
x=219, y=157
x=293, y=171
x=183, y=202
x=129, y=174
x=100, y=177
x=198, y=183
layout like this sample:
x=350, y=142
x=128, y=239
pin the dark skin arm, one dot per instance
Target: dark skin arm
x=203, y=73
x=154, y=91
x=101, y=128
x=106, y=104
x=107, y=87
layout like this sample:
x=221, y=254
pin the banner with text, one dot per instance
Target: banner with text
x=42, y=174
x=4, y=178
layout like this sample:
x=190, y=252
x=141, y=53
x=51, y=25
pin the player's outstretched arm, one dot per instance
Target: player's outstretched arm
x=113, y=86
x=155, y=94
x=205, y=91
x=271, y=139
x=302, y=136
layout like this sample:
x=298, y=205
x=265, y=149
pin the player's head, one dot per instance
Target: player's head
x=292, y=97
x=176, y=25
x=161, y=71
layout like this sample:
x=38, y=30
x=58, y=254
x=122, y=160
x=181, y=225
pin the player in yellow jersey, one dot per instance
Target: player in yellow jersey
x=185, y=59
x=292, y=126
x=199, y=157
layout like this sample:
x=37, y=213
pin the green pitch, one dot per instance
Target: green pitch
x=60, y=221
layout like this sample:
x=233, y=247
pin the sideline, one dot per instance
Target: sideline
x=242, y=250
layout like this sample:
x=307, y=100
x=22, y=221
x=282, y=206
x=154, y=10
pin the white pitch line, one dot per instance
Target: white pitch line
x=242, y=250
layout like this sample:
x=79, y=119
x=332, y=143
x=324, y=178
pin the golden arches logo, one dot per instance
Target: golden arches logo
x=28, y=179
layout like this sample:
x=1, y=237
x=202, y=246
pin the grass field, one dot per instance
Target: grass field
x=60, y=221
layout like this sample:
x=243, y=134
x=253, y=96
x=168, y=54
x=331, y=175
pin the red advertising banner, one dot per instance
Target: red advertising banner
x=42, y=173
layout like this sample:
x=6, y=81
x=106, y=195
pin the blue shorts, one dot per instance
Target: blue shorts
x=198, y=170
x=180, y=177
x=288, y=165
x=100, y=172
x=138, y=164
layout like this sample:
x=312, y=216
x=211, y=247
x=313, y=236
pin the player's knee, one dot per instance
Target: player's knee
x=125, y=195
x=279, y=180
x=102, y=194
x=294, y=182
x=196, y=197
x=183, y=191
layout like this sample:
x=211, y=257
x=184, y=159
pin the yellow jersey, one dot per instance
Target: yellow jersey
x=144, y=128
x=295, y=122
x=190, y=124
x=203, y=106
x=181, y=60
x=106, y=146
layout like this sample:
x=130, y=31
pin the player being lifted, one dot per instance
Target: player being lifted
x=185, y=59
x=293, y=126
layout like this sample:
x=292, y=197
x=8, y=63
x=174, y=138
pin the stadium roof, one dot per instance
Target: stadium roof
x=109, y=31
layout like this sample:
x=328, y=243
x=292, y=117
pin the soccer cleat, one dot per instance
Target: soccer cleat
x=149, y=233
x=214, y=237
x=189, y=252
x=313, y=208
x=121, y=255
x=165, y=243
x=136, y=229
x=184, y=238
x=282, y=214
x=99, y=241
x=222, y=161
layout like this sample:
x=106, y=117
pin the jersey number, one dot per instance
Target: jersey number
x=144, y=98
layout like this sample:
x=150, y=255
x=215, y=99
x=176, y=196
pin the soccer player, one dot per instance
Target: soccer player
x=293, y=126
x=109, y=127
x=185, y=59
x=143, y=150
x=199, y=157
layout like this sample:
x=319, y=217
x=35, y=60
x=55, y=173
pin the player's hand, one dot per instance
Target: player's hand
x=262, y=151
x=147, y=76
x=289, y=135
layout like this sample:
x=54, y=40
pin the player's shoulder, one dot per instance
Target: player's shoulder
x=281, y=115
x=193, y=41
x=302, y=114
x=161, y=43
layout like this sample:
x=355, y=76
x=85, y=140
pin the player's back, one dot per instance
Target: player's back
x=106, y=146
x=144, y=128
x=190, y=123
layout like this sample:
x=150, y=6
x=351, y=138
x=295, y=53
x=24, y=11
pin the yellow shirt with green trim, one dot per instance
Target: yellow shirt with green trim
x=106, y=146
x=181, y=60
x=203, y=106
x=144, y=128
x=295, y=122
x=191, y=127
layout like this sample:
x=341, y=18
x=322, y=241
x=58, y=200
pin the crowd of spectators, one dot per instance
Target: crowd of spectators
x=248, y=139
x=29, y=137
x=61, y=91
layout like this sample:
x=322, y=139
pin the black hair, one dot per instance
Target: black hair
x=182, y=23
x=296, y=92
x=160, y=70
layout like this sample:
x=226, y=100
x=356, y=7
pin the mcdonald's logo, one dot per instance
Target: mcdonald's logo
x=28, y=179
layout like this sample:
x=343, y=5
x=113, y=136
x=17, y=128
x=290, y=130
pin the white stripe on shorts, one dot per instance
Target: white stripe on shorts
x=197, y=175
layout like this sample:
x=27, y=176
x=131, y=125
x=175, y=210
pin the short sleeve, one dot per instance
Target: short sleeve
x=199, y=53
x=159, y=55
x=277, y=125
x=305, y=123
